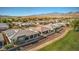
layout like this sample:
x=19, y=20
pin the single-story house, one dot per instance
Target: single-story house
x=28, y=24
x=44, y=31
x=25, y=36
x=3, y=26
x=17, y=23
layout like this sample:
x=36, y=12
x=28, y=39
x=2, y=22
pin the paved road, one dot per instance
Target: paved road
x=37, y=46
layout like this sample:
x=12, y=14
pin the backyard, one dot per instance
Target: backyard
x=69, y=43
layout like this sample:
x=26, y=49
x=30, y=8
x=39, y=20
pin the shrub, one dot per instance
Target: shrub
x=8, y=46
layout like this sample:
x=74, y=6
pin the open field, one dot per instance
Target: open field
x=69, y=43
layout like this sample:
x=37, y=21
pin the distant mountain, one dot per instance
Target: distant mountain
x=57, y=14
x=3, y=16
x=46, y=14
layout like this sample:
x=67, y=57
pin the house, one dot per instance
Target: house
x=3, y=26
x=17, y=23
x=44, y=31
x=27, y=24
x=25, y=36
x=51, y=27
x=21, y=36
x=42, y=22
x=57, y=26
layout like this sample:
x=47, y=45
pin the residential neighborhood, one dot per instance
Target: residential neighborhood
x=38, y=32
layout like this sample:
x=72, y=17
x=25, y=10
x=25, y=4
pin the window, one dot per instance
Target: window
x=45, y=32
x=26, y=38
x=35, y=35
x=31, y=36
x=38, y=34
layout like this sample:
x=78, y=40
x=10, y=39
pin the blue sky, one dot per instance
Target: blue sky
x=25, y=11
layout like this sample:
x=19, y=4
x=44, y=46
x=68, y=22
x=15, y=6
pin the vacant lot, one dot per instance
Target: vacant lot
x=69, y=43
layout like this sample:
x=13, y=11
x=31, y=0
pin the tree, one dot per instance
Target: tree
x=75, y=24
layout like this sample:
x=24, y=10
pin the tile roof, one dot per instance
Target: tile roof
x=40, y=29
x=22, y=32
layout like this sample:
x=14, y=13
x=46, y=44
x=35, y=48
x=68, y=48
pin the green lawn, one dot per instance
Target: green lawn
x=69, y=43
